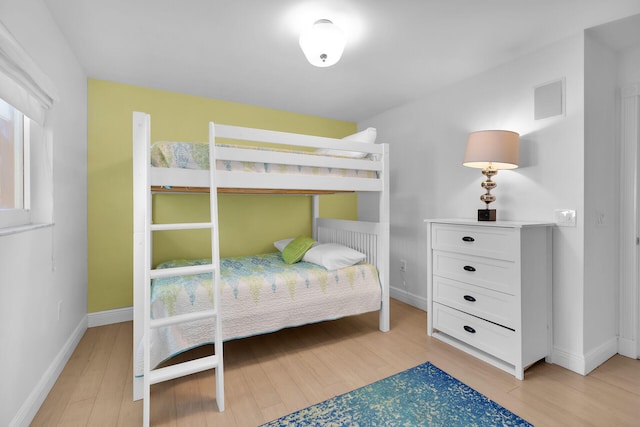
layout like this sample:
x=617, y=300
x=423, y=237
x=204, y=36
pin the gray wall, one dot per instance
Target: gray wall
x=42, y=267
x=569, y=161
x=602, y=163
x=427, y=141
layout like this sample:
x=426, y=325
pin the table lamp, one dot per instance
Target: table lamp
x=491, y=150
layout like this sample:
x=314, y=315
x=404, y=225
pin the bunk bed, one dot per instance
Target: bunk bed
x=273, y=163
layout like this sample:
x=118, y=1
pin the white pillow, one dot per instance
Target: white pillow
x=368, y=135
x=281, y=244
x=333, y=256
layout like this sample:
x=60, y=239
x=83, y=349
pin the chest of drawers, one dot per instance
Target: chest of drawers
x=489, y=289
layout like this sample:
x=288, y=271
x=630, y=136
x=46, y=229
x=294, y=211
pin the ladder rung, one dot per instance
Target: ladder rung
x=181, y=369
x=181, y=226
x=181, y=271
x=181, y=318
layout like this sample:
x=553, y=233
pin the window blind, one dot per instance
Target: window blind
x=22, y=83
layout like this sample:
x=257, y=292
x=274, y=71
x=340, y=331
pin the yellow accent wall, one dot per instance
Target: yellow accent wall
x=248, y=224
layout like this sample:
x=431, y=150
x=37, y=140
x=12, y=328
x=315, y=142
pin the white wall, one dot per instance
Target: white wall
x=602, y=213
x=42, y=267
x=629, y=65
x=427, y=141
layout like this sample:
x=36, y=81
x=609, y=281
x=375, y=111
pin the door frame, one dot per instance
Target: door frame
x=629, y=291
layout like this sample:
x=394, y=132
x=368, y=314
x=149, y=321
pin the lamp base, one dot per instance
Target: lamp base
x=486, y=214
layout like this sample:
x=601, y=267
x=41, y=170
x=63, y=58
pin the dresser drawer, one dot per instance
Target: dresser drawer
x=494, y=306
x=491, y=242
x=495, y=274
x=486, y=336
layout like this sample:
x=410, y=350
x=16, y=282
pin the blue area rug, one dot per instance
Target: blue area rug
x=420, y=396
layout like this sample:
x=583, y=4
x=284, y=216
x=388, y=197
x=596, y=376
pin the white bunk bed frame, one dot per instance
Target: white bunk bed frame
x=371, y=238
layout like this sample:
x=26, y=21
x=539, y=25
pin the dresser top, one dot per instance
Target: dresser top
x=475, y=222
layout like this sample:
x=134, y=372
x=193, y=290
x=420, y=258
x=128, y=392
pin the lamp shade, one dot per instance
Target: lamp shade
x=323, y=43
x=498, y=148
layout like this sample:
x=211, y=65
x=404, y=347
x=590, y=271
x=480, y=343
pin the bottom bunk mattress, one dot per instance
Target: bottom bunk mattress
x=258, y=294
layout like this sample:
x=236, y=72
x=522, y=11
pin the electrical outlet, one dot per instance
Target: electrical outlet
x=403, y=265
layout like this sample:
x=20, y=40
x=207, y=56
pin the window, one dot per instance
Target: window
x=14, y=166
x=26, y=178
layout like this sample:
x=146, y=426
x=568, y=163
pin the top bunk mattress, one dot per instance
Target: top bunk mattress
x=195, y=156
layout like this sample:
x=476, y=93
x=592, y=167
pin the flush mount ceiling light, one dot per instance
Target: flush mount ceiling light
x=323, y=43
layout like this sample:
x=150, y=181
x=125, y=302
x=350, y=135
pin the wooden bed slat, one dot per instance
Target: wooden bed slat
x=161, y=189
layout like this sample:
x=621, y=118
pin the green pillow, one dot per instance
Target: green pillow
x=295, y=250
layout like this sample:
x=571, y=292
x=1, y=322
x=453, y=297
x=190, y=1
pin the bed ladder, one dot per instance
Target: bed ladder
x=154, y=376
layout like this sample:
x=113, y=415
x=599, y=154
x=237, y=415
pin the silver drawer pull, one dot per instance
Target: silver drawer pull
x=469, y=268
x=469, y=329
x=468, y=239
x=469, y=298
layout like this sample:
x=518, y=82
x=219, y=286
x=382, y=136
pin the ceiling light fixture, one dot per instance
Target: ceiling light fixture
x=323, y=43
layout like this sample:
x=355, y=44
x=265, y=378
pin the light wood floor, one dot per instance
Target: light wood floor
x=272, y=375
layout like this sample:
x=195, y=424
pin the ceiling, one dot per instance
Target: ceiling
x=247, y=50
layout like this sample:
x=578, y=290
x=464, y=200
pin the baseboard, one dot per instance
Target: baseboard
x=567, y=360
x=109, y=317
x=583, y=364
x=32, y=404
x=408, y=298
x=600, y=354
x=628, y=348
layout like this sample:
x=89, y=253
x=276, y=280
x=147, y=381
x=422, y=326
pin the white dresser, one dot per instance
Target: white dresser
x=489, y=289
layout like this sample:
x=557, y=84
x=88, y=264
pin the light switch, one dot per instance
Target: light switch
x=565, y=217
